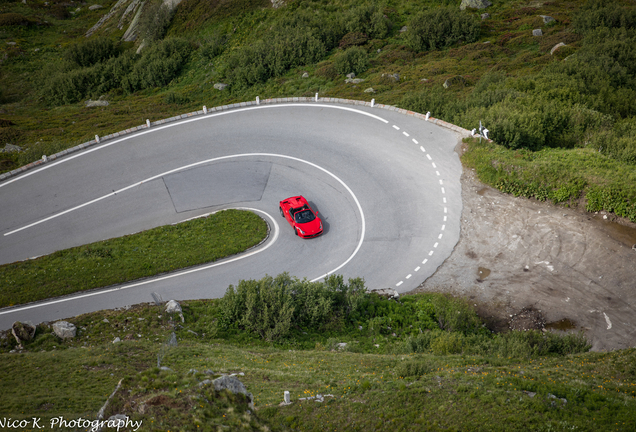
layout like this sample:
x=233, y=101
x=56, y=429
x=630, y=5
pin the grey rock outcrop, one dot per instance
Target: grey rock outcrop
x=101, y=102
x=547, y=19
x=173, y=306
x=369, y=90
x=474, y=4
x=388, y=293
x=455, y=81
x=8, y=148
x=233, y=385
x=95, y=6
x=354, y=80
x=485, y=16
x=537, y=32
x=305, y=75
x=556, y=47
x=64, y=329
x=220, y=86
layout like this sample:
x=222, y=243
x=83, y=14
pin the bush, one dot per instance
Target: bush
x=353, y=39
x=603, y=13
x=154, y=21
x=15, y=19
x=158, y=65
x=368, y=19
x=269, y=306
x=213, y=46
x=90, y=52
x=354, y=60
x=441, y=28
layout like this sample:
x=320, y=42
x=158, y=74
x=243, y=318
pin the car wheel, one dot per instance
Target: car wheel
x=281, y=212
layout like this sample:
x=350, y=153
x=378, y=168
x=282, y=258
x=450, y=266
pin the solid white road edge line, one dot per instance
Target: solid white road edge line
x=145, y=282
x=179, y=123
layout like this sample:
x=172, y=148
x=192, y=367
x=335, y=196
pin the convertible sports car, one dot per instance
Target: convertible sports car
x=301, y=217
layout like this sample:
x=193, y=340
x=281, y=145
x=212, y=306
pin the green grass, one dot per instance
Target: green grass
x=371, y=391
x=131, y=257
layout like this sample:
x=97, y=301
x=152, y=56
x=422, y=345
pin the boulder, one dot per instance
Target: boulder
x=95, y=6
x=351, y=75
x=485, y=16
x=454, y=81
x=173, y=307
x=403, y=29
x=547, y=19
x=354, y=80
x=537, y=32
x=101, y=102
x=234, y=385
x=220, y=86
x=277, y=3
x=8, y=148
x=474, y=4
x=393, y=76
x=64, y=329
x=556, y=47
x=369, y=90
x=23, y=332
x=305, y=75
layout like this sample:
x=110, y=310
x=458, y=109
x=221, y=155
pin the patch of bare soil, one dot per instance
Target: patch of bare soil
x=515, y=255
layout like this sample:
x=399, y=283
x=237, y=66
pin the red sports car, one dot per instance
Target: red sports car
x=301, y=217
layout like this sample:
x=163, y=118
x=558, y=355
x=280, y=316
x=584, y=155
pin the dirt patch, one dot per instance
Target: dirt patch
x=527, y=319
x=518, y=254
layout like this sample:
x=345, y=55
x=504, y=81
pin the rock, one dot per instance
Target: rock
x=101, y=102
x=351, y=75
x=342, y=345
x=354, y=80
x=23, y=332
x=220, y=86
x=173, y=307
x=95, y=6
x=403, y=29
x=485, y=16
x=547, y=19
x=116, y=340
x=12, y=43
x=234, y=385
x=529, y=393
x=634, y=247
x=305, y=75
x=165, y=368
x=8, y=148
x=386, y=293
x=393, y=76
x=277, y=3
x=556, y=47
x=369, y=90
x=424, y=80
x=456, y=80
x=474, y=4
x=64, y=329
x=537, y=32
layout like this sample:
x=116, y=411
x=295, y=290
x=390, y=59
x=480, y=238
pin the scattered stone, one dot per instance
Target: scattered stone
x=220, y=86
x=95, y=6
x=105, y=320
x=474, y=4
x=354, y=80
x=8, y=148
x=116, y=340
x=547, y=19
x=537, y=32
x=205, y=382
x=305, y=75
x=454, y=81
x=527, y=319
x=369, y=90
x=341, y=345
x=388, y=293
x=403, y=29
x=64, y=329
x=485, y=16
x=351, y=75
x=424, y=80
x=173, y=307
x=556, y=47
x=22, y=332
x=11, y=43
x=165, y=368
x=101, y=102
x=277, y=3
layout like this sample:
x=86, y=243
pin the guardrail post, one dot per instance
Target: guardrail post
x=97, y=138
x=372, y=103
x=286, y=397
x=147, y=123
x=44, y=158
x=428, y=114
x=316, y=97
x=205, y=109
x=258, y=100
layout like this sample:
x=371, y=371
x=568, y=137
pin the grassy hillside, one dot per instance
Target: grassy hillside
x=425, y=362
x=562, y=119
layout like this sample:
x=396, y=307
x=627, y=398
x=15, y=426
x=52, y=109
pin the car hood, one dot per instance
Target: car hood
x=310, y=227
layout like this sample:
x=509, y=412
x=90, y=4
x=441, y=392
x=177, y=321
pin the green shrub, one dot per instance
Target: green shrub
x=90, y=52
x=414, y=368
x=354, y=60
x=440, y=28
x=603, y=13
x=369, y=19
x=15, y=19
x=213, y=46
x=158, y=65
x=327, y=70
x=447, y=343
x=353, y=39
x=176, y=98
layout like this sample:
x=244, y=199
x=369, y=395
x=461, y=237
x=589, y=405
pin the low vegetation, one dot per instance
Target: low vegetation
x=131, y=257
x=425, y=362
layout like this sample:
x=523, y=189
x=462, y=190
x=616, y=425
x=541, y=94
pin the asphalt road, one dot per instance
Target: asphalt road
x=386, y=185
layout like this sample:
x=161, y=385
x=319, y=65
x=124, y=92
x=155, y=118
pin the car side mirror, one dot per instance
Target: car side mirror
x=316, y=212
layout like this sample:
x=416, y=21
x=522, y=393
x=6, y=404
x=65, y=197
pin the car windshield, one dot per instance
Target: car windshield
x=304, y=216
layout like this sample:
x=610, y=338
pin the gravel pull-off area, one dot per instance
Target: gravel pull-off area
x=528, y=264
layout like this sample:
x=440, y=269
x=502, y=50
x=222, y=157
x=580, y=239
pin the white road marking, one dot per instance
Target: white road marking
x=436, y=244
x=607, y=320
x=405, y=134
x=443, y=191
x=441, y=181
x=434, y=166
x=399, y=283
x=445, y=218
x=415, y=141
x=422, y=148
x=443, y=226
x=147, y=281
x=430, y=253
x=445, y=211
x=429, y=157
x=437, y=172
x=444, y=200
x=179, y=123
x=424, y=262
x=395, y=127
x=417, y=268
x=440, y=236
x=408, y=276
